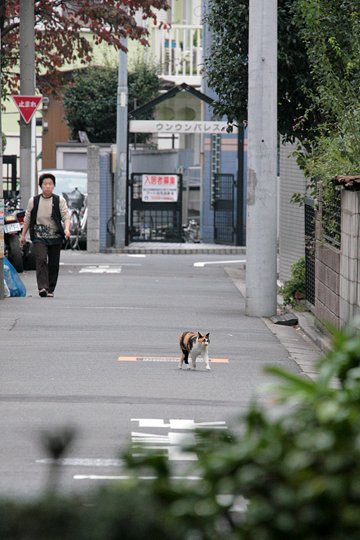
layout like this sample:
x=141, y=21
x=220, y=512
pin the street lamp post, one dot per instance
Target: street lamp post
x=121, y=150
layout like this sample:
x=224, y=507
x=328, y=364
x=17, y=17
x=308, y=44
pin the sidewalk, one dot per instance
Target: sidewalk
x=304, y=342
x=181, y=248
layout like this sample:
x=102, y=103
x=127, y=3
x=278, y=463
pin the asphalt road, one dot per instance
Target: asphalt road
x=60, y=363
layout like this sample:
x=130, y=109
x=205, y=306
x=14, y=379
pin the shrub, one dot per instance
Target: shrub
x=294, y=289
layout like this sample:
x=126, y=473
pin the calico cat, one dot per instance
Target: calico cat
x=194, y=344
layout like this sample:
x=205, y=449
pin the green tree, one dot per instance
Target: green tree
x=318, y=81
x=59, y=35
x=90, y=102
x=227, y=67
x=318, y=62
x=330, y=31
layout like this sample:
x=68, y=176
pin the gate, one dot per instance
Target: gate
x=155, y=207
x=9, y=177
x=224, y=211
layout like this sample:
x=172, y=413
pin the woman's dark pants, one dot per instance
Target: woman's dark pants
x=47, y=265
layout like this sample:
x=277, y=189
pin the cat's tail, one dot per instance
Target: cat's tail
x=183, y=347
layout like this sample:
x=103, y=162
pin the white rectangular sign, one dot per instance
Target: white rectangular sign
x=160, y=188
x=178, y=126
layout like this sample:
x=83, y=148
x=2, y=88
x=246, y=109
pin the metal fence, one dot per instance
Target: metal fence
x=310, y=251
x=224, y=208
x=331, y=219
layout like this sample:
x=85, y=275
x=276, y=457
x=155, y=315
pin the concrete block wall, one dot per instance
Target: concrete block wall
x=337, y=271
x=106, y=199
x=93, y=229
x=350, y=255
x=327, y=280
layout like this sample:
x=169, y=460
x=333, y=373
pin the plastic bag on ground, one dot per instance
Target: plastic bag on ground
x=6, y=290
x=13, y=280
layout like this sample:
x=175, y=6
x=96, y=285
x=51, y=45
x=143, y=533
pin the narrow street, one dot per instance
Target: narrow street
x=102, y=357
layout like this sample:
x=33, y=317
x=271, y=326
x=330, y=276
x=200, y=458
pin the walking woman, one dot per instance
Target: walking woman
x=44, y=216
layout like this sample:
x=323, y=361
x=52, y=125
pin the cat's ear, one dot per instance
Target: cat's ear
x=207, y=335
x=199, y=335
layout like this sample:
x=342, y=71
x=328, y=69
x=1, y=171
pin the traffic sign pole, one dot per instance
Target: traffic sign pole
x=27, y=88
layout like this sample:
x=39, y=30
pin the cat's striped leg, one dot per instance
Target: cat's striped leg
x=207, y=362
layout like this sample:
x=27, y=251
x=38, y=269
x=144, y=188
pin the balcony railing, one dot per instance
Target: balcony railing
x=178, y=52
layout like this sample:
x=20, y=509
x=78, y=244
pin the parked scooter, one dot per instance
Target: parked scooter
x=12, y=231
x=21, y=258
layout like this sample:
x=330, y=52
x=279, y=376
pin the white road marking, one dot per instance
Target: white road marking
x=202, y=264
x=100, y=269
x=103, y=477
x=174, y=442
x=138, y=255
x=167, y=359
x=178, y=423
x=83, y=462
x=109, y=264
x=107, y=307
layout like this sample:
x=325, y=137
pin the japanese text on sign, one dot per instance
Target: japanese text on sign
x=159, y=188
x=178, y=126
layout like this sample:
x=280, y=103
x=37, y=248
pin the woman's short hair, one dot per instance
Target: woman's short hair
x=44, y=176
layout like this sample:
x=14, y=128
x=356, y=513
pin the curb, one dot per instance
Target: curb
x=307, y=324
x=186, y=249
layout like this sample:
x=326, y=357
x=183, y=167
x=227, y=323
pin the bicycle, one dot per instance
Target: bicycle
x=191, y=232
x=78, y=218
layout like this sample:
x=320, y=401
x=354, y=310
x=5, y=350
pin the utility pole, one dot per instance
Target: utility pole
x=121, y=149
x=27, y=88
x=261, y=243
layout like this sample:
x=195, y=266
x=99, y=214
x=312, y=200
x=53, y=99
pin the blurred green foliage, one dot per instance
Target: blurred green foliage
x=296, y=465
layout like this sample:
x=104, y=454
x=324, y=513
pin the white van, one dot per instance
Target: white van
x=67, y=181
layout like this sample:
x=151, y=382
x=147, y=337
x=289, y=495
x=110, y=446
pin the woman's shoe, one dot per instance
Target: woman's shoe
x=43, y=292
x=50, y=295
